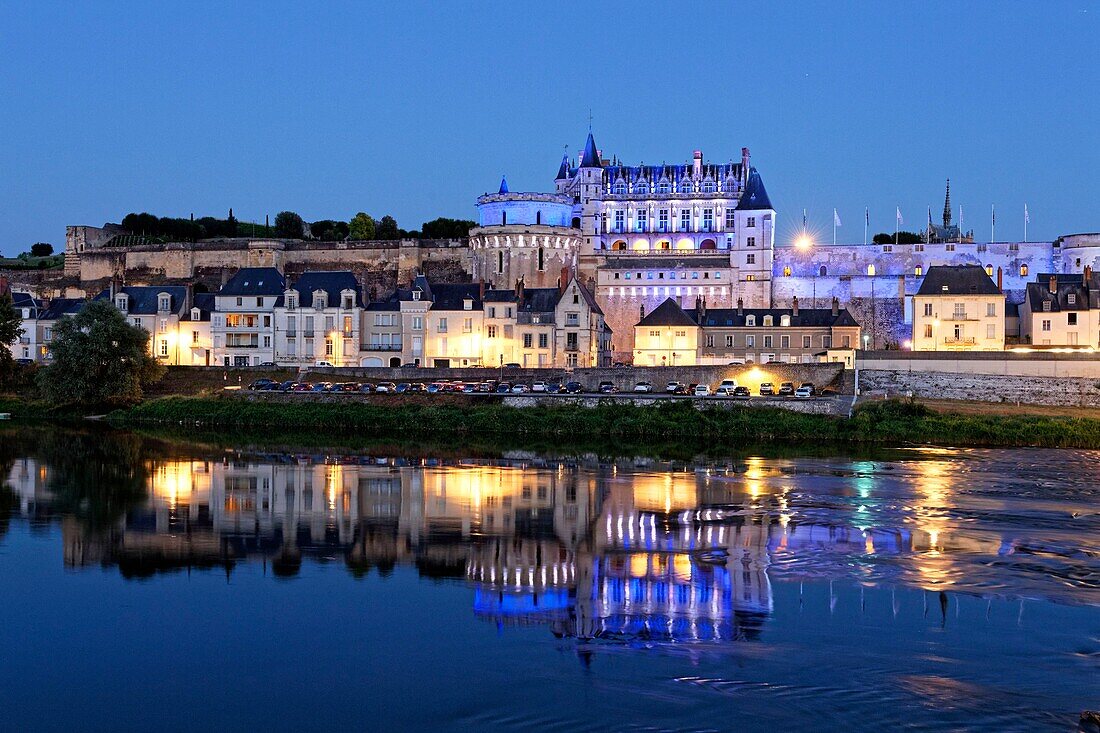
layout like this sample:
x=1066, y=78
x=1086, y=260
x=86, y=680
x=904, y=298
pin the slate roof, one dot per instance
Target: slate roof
x=1085, y=298
x=204, y=302
x=755, y=196
x=143, y=298
x=332, y=283
x=59, y=307
x=451, y=297
x=255, y=281
x=807, y=317
x=590, y=158
x=26, y=300
x=957, y=280
x=503, y=184
x=668, y=313
x=563, y=169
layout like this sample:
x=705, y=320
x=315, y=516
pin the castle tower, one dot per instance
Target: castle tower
x=588, y=194
x=755, y=241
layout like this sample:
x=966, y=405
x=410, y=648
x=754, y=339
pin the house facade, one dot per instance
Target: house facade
x=1062, y=311
x=242, y=324
x=958, y=308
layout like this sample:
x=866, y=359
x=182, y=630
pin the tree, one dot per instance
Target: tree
x=387, y=228
x=288, y=225
x=361, y=226
x=11, y=328
x=903, y=238
x=41, y=249
x=98, y=359
x=328, y=230
x=443, y=228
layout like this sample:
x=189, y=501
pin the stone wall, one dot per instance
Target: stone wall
x=818, y=406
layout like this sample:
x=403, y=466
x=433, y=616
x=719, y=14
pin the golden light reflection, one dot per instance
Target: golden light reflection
x=667, y=493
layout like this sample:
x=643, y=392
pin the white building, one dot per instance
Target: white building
x=318, y=320
x=242, y=325
x=1062, y=311
x=958, y=308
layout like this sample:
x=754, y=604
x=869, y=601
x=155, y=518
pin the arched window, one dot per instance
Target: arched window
x=823, y=271
x=576, y=222
x=500, y=262
x=750, y=320
x=538, y=217
x=542, y=260
x=989, y=270
x=768, y=321
x=504, y=218
x=918, y=271
x=1023, y=270
x=787, y=271
x=686, y=186
x=870, y=270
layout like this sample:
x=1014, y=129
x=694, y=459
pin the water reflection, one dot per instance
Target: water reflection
x=627, y=550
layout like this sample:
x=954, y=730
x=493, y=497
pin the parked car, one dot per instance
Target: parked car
x=701, y=390
x=539, y=386
x=386, y=388
x=323, y=363
x=418, y=387
x=731, y=383
x=401, y=388
x=321, y=387
x=674, y=387
x=574, y=388
x=520, y=388
x=267, y=363
x=366, y=388
x=741, y=393
x=512, y=365
x=803, y=393
x=503, y=388
x=302, y=387
x=346, y=387
x=724, y=390
x=24, y=362
x=469, y=388
x=810, y=386
x=767, y=389
x=607, y=388
x=285, y=386
x=435, y=388
x=644, y=387
x=786, y=389
x=260, y=384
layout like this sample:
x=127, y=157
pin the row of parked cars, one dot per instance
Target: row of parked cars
x=727, y=388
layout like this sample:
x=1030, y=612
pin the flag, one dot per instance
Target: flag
x=836, y=218
x=900, y=219
x=866, y=216
x=1027, y=216
x=993, y=212
x=803, y=219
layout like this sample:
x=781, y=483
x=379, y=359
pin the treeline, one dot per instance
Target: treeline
x=289, y=225
x=902, y=238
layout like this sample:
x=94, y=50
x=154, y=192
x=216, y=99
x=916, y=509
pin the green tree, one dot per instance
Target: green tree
x=443, y=228
x=11, y=328
x=41, y=249
x=361, y=227
x=903, y=238
x=98, y=359
x=387, y=228
x=288, y=225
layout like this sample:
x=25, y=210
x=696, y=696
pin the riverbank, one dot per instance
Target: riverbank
x=889, y=422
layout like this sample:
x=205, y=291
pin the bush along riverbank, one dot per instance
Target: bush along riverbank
x=890, y=422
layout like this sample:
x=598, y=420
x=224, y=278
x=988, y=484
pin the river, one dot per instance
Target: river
x=166, y=584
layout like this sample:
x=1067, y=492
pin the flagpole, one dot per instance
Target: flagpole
x=992, y=223
x=1025, y=222
x=834, y=226
x=866, y=222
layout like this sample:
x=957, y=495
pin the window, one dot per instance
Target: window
x=989, y=270
x=642, y=221
x=492, y=311
x=709, y=186
x=500, y=265
x=928, y=309
x=527, y=340
x=618, y=220
x=750, y=341
x=827, y=342
x=870, y=270
x=240, y=302
x=949, y=247
x=291, y=302
x=751, y=242
x=348, y=301
x=1023, y=270
x=991, y=310
x=918, y=271
x=787, y=271
x=708, y=220
x=194, y=337
x=960, y=310
x=685, y=220
x=1071, y=319
x=165, y=303
x=785, y=321
x=1045, y=324
x=1046, y=305
x=750, y=320
x=260, y=302
x=662, y=220
x=768, y=321
x=328, y=346
x=928, y=330
x=751, y=222
x=491, y=332
x=822, y=271
x=164, y=347
x=619, y=189
x=1071, y=298
x=805, y=342
x=571, y=340
x=710, y=341
x=767, y=341
x=785, y=342
x=442, y=325
x=730, y=218
x=640, y=188
x=417, y=323
x=542, y=260
x=729, y=341
x=750, y=259
x=685, y=186
x=543, y=340
x=991, y=331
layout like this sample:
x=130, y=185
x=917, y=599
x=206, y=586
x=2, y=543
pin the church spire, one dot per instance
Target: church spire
x=947, y=206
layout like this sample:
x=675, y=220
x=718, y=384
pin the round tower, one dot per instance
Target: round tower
x=523, y=235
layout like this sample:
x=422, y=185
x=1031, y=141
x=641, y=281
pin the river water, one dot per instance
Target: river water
x=150, y=584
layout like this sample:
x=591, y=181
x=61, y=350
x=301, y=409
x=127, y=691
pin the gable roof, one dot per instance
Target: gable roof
x=204, y=302
x=144, y=298
x=957, y=280
x=25, y=300
x=755, y=196
x=807, y=317
x=59, y=307
x=1084, y=298
x=255, y=281
x=590, y=158
x=668, y=313
x=332, y=283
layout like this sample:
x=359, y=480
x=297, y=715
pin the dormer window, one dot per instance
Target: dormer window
x=164, y=302
x=1071, y=298
x=122, y=302
x=1046, y=305
x=320, y=300
x=784, y=321
x=416, y=294
x=467, y=304
x=196, y=314
x=349, y=301
x=768, y=321
x=750, y=320
x=291, y=300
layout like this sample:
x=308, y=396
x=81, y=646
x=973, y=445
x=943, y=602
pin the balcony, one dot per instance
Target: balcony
x=308, y=334
x=292, y=334
x=382, y=347
x=963, y=341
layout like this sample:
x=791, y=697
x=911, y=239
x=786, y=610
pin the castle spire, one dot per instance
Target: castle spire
x=590, y=158
x=947, y=206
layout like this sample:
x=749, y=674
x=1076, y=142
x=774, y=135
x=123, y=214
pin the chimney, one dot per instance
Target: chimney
x=519, y=289
x=699, y=310
x=1000, y=279
x=794, y=306
x=563, y=280
x=481, y=289
x=836, y=306
x=1087, y=275
x=1053, y=284
x=740, y=307
x=697, y=163
x=641, y=310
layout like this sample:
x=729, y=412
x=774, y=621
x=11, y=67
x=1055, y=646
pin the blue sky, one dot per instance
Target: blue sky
x=414, y=109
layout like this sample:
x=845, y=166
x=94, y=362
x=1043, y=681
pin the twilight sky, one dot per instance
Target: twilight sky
x=415, y=108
